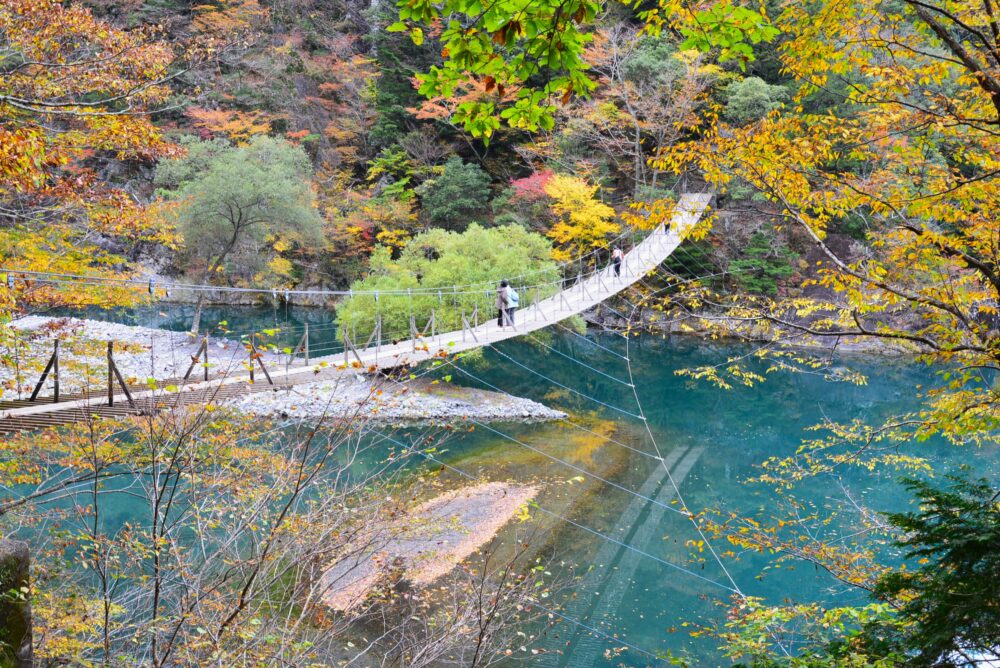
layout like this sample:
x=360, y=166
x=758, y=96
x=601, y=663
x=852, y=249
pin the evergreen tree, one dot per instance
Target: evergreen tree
x=460, y=194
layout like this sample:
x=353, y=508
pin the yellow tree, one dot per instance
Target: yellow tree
x=914, y=153
x=583, y=223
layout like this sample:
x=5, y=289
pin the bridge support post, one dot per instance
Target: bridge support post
x=305, y=343
x=17, y=366
x=256, y=357
x=467, y=326
x=52, y=366
x=539, y=312
x=55, y=372
x=202, y=351
x=114, y=373
x=111, y=383
x=350, y=348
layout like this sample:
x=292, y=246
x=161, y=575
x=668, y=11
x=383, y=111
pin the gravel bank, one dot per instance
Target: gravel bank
x=412, y=401
x=147, y=353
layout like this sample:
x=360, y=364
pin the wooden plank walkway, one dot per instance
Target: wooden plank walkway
x=575, y=299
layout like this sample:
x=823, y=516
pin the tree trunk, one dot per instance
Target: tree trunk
x=15, y=610
x=196, y=319
x=212, y=269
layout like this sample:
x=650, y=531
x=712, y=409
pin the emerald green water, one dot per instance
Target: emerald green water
x=643, y=594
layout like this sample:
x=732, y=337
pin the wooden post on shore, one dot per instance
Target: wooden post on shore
x=305, y=343
x=111, y=381
x=55, y=372
x=113, y=372
x=52, y=366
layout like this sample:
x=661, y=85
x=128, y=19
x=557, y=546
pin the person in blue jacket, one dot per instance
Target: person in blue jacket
x=502, y=303
x=513, y=302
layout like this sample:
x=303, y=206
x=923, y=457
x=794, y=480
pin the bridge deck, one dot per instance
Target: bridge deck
x=573, y=300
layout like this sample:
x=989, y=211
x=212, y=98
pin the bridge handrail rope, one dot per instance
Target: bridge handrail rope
x=327, y=350
x=391, y=336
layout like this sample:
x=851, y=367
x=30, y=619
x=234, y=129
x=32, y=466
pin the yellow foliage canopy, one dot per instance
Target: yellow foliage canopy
x=583, y=222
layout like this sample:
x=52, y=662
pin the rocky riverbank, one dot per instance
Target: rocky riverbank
x=397, y=402
x=722, y=327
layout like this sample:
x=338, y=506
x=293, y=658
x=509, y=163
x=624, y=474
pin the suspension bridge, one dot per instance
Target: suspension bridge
x=424, y=342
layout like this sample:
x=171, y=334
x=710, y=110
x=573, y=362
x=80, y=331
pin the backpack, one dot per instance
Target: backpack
x=512, y=298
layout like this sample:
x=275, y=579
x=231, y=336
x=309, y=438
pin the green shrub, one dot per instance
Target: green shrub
x=751, y=99
x=477, y=257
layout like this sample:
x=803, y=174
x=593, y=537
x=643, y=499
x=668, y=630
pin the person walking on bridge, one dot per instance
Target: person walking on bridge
x=513, y=301
x=616, y=260
x=502, y=303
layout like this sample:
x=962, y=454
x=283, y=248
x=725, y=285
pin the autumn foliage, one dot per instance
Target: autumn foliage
x=583, y=223
x=74, y=88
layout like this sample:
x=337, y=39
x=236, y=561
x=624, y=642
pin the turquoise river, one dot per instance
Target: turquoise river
x=635, y=582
